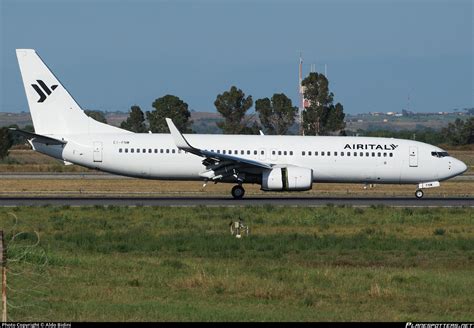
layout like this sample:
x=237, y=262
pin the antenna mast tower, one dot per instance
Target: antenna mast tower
x=301, y=95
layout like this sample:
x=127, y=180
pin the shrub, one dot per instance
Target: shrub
x=439, y=232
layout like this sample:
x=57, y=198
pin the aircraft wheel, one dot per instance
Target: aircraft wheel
x=419, y=194
x=238, y=192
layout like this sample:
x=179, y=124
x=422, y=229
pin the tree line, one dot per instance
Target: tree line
x=274, y=115
x=458, y=133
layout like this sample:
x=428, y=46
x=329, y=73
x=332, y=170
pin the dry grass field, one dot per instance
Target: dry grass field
x=139, y=188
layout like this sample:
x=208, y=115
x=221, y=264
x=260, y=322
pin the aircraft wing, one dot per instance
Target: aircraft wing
x=38, y=138
x=210, y=156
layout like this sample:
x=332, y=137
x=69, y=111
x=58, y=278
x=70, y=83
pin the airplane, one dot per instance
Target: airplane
x=275, y=162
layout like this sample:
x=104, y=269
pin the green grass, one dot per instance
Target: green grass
x=298, y=264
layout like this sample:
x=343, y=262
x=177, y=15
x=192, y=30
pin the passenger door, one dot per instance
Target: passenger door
x=97, y=151
x=413, y=156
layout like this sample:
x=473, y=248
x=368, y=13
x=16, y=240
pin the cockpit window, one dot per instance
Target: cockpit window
x=439, y=153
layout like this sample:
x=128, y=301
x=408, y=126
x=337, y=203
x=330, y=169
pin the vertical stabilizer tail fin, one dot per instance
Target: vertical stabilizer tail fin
x=53, y=110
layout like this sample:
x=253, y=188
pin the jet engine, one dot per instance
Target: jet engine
x=292, y=178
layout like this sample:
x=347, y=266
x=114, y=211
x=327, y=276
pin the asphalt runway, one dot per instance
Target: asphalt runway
x=229, y=202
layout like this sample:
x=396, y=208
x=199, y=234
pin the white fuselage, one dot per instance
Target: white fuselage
x=332, y=159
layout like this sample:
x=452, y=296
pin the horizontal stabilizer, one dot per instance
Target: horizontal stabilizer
x=38, y=138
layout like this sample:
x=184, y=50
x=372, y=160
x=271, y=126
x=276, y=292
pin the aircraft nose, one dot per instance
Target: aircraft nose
x=460, y=167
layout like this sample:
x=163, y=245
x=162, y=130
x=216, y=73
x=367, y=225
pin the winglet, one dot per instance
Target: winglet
x=179, y=139
x=181, y=142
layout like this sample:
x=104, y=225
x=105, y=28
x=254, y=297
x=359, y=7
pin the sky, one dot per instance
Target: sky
x=381, y=55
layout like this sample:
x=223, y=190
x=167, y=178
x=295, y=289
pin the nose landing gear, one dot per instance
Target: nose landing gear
x=424, y=185
x=238, y=192
x=419, y=194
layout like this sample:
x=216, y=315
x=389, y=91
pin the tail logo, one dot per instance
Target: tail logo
x=42, y=89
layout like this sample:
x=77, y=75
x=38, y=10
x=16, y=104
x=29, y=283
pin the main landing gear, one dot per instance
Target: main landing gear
x=238, y=192
x=419, y=194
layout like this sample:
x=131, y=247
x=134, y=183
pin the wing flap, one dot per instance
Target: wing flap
x=214, y=155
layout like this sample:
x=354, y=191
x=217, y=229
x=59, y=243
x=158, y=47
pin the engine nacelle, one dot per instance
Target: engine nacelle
x=287, y=178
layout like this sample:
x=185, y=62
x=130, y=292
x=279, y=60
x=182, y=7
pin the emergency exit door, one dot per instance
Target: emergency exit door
x=97, y=151
x=413, y=156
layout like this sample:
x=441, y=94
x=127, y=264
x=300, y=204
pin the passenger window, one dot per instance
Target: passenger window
x=302, y=153
x=384, y=154
x=132, y=150
x=262, y=152
x=149, y=151
x=342, y=153
x=120, y=150
x=138, y=150
x=279, y=152
x=223, y=152
x=335, y=153
x=329, y=153
x=284, y=153
x=167, y=151
x=273, y=152
x=361, y=154
x=242, y=152
x=218, y=151
x=291, y=153
x=161, y=151
x=315, y=153
x=348, y=153
x=156, y=151
x=173, y=151
x=236, y=152
x=373, y=154
x=367, y=154
x=322, y=153
x=144, y=150
x=355, y=153
x=391, y=154
x=255, y=152
x=309, y=153
x=378, y=154
x=126, y=150
x=248, y=152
